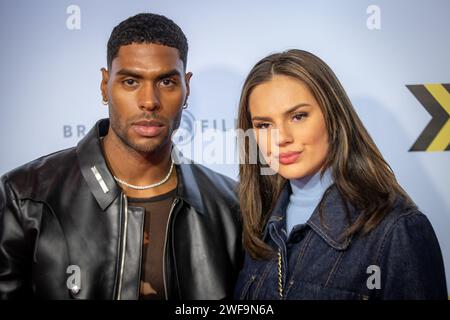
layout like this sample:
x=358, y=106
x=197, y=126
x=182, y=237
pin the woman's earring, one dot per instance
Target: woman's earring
x=185, y=105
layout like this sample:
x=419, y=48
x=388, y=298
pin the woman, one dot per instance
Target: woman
x=333, y=222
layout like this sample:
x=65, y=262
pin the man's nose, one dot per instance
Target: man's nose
x=149, y=98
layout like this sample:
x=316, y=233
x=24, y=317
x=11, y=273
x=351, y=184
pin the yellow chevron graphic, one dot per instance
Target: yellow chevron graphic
x=435, y=98
x=442, y=96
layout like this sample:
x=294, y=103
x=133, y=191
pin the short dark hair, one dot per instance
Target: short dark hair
x=147, y=28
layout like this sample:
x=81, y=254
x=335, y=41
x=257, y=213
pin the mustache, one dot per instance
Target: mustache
x=149, y=116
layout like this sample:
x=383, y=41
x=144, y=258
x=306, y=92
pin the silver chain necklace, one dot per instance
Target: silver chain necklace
x=156, y=184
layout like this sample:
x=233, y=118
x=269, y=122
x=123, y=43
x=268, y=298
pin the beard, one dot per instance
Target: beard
x=152, y=145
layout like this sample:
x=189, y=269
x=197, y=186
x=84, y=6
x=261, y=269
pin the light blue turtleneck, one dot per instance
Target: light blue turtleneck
x=306, y=195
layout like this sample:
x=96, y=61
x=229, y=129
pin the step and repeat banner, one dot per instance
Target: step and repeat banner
x=391, y=56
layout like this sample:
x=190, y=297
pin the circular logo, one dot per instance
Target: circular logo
x=186, y=132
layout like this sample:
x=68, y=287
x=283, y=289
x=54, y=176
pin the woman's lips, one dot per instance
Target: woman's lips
x=288, y=157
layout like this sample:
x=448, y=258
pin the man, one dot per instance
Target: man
x=114, y=218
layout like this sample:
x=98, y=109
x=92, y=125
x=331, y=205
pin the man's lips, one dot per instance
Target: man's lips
x=148, y=128
x=288, y=157
x=149, y=123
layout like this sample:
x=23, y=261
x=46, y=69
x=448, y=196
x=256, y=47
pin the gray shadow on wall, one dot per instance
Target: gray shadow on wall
x=214, y=102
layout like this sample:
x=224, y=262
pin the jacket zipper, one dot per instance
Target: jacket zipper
x=123, y=248
x=165, y=246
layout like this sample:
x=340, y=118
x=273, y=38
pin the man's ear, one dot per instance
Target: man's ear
x=187, y=79
x=104, y=84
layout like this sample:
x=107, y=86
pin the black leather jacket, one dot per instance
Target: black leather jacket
x=64, y=212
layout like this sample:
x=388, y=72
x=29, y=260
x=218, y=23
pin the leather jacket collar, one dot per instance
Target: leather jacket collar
x=102, y=184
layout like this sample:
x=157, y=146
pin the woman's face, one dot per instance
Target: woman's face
x=289, y=127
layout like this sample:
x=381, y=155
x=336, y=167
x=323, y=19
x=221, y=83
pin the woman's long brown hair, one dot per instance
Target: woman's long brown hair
x=360, y=173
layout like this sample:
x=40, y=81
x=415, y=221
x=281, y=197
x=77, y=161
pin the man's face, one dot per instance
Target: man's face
x=146, y=88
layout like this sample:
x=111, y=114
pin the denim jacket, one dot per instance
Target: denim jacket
x=399, y=259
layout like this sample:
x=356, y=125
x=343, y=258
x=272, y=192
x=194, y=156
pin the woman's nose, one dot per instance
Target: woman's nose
x=283, y=135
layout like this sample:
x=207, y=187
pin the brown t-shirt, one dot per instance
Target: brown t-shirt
x=155, y=223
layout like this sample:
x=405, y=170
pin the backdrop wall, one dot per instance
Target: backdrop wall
x=391, y=56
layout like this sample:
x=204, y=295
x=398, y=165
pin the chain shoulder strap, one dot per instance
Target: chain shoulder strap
x=280, y=275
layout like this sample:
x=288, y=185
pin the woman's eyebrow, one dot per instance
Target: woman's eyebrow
x=297, y=106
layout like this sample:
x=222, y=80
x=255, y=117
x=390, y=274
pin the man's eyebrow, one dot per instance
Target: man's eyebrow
x=168, y=74
x=297, y=106
x=135, y=74
x=129, y=73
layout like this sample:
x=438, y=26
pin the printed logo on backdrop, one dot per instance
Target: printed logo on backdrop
x=77, y=131
x=186, y=130
x=207, y=142
x=185, y=133
x=435, y=98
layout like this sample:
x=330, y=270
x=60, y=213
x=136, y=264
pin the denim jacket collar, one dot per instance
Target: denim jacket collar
x=336, y=217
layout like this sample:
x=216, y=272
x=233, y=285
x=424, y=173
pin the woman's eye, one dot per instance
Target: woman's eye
x=262, y=125
x=299, y=116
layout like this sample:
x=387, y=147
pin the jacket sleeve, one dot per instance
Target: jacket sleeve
x=14, y=273
x=411, y=261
